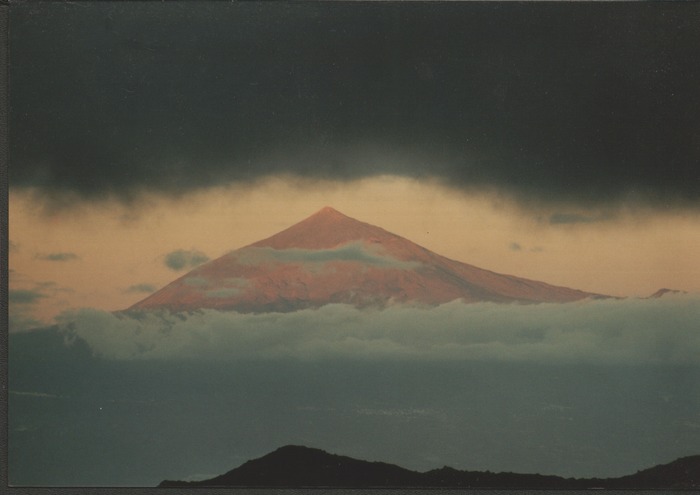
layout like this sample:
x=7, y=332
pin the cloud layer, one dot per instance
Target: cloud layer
x=611, y=331
x=553, y=103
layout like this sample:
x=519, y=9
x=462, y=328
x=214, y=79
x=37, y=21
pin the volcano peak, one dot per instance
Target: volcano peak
x=325, y=229
x=329, y=211
x=332, y=258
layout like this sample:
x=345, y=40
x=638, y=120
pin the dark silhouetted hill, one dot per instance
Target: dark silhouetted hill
x=297, y=466
x=683, y=473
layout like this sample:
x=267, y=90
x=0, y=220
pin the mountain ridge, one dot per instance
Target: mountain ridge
x=332, y=258
x=295, y=466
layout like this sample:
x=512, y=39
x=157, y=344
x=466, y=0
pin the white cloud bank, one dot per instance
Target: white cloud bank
x=633, y=331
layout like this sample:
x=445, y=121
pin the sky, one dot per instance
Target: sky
x=552, y=141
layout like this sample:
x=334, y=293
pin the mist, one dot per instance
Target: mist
x=632, y=331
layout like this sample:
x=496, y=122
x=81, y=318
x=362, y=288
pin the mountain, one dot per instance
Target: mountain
x=332, y=258
x=297, y=466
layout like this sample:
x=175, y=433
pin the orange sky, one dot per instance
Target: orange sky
x=109, y=248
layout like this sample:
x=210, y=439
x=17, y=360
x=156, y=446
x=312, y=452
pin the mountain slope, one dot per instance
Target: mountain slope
x=297, y=466
x=332, y=258
x=683, y=473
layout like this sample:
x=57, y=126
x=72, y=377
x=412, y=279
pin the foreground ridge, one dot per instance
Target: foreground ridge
x=298, y=466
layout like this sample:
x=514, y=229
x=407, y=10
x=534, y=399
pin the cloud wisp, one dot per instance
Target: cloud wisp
x=140, y=289
x=182, y=259
x=57, y=257
x=576, y=218
x=354, y=251
x=24, y=296
x=661, y=331
x=20, y=305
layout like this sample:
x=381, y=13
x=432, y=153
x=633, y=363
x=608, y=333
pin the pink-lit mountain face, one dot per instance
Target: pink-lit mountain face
x=332, y=258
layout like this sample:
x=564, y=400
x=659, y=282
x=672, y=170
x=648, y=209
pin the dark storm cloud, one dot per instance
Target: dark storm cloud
x=58, y=257
x=181, y=259
x=548, y=102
